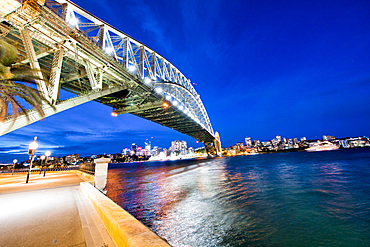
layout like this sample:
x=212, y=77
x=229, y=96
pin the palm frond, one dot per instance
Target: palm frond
x=16, y=84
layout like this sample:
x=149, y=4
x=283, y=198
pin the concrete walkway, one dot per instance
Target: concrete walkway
x=48, y=211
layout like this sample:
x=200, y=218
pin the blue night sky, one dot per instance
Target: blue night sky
x=262, y=68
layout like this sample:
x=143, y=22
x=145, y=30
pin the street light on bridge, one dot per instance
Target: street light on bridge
x=131, y=68
x=114, y=114
x=147, y=80
x=73, y=21
x=31, y=151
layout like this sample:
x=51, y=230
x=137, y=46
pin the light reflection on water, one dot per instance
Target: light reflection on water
x=287, y=199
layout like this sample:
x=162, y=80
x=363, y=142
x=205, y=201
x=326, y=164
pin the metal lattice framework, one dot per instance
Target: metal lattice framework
x=139, y=59
x=83, y=54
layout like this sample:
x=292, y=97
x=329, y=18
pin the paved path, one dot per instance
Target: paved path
x=48, y=211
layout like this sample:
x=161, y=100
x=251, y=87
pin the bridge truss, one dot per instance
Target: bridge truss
x=82, y=54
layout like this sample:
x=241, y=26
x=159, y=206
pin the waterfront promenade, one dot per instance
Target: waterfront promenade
x=48, y=211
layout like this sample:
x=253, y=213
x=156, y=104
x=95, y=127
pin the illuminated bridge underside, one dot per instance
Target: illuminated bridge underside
x=82, y=54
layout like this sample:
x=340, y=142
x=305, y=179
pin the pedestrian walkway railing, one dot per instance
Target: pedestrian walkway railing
x=88, y=168
x=25, y=170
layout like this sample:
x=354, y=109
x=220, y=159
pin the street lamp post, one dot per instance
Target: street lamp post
x=14, y=162
x=42, y=157
x=31, y=151
x=47, y=154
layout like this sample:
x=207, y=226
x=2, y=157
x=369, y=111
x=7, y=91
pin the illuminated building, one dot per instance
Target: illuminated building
x=72, y=158
x=248, y=142
x=148, y=147
x=278, y=138
x=134, y=148
x=179, y=147
x=125, y=151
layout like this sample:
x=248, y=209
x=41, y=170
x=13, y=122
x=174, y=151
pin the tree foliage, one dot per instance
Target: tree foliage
x=15, y=84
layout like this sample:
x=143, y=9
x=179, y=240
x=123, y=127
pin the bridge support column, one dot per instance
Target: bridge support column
x=141, y=64
x=217, y=144
x=125, y=52
x=153, y=65
x=101, y=37
x=214, y=148
x=162, y=68
x=101, y=171
x=56, y=70
x=27, y=42
x=64, y=11
x=95, y=84
x=209, y=148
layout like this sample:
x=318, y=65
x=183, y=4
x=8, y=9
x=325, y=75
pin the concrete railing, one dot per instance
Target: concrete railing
x=123, y=228
x=85, y=176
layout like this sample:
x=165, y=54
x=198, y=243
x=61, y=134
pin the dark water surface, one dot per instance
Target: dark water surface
x=282, y=199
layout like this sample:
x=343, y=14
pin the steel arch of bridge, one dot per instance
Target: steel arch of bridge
x=139, y=59
x=85, y=54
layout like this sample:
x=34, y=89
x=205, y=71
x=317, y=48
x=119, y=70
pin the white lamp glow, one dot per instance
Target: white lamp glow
x=147, y=80
x=73, y=21
x=131, y=68
x=109, y=50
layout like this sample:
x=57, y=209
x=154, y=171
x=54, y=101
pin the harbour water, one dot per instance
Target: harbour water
x=280, y=199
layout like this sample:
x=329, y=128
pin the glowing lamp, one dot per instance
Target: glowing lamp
x=32, y=147
x=131, y=68
x=109, y=50
x=14, y=162
x=147, y=80
x=73, y=21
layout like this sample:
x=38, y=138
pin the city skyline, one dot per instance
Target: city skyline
x=297, y=69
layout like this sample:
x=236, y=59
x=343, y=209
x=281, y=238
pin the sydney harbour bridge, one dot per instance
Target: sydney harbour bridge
x=80, y=53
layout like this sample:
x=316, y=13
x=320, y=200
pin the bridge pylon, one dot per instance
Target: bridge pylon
x=218, y=144
x=214, y=148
